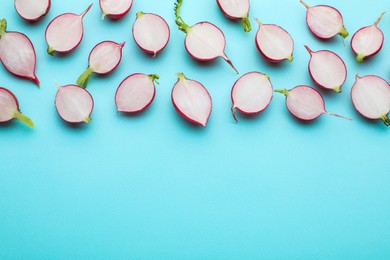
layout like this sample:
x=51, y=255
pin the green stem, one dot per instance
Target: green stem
x=23, y=118
x=246, y=24
x=82, y=81
x=154, y=78
x=343, y=32
x=337, y=89
x=359, y=58
x=180, y=76
x=50, y=51
x=282, y=91
x=87, y=120
x=385, y=120
x=139, y=14
x=3, y=27
x=179, y=21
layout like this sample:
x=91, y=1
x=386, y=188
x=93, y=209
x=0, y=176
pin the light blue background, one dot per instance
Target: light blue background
x=153, y=186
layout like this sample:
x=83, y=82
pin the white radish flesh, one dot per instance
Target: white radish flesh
x=9, y=108
x=115, y=9
x=32, y=10
x=191, y=100
x=236, y=9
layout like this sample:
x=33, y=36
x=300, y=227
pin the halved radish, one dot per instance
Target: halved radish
x=325, y=21
x=274, y=42
x=327, y=69
x=9, y=108
x=151, y=32
x=65, y=32
x=236, y=9
x=305, y=103
x=115, y=9
x=368, y=41
x=74, y=104
x=136, y=92
x=204, y=41
x=32, y=10
x=17, y=53
x=371, y=97
x=191, y=100
x=103, y=59
x=251, y=93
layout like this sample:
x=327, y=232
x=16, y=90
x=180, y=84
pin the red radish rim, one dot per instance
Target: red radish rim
x=374, y=53
x=229, y=16
x=114, y=16
x=38, y=18
x=120, y=59
x=15, y=98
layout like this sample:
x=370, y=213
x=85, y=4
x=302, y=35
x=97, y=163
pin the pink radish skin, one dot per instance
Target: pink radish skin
x=251, y=94
x=371, y=97
x=274, y=43
x=9, y=108
x=103, y=59
x=115, y=9
x=191, y=100
x=327, y=69
x=305, y=103
x=325, y=21
x=32, y=11
x=65, y=32
x=17, y=53
x=236, y=9
x=136, y=93
x=74, y=104
x=204, y=41
x=368, y=41
x=151, y=32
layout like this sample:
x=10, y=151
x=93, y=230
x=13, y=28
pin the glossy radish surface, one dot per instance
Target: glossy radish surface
x=115, y=9
x=136, y=92
x=32, y=10
x=236, y=9
x=305, y=103
x=325, y=21
x=371, y=97
x=65, y=32
x=367, y=41
x=17, y=53
x=191, y=100
x=327, y=69
x=74, y=104
x=9, y=108
x=251, y=93
x=151, y=32
x=274, y=42
x=204, y=41
x=103, y=59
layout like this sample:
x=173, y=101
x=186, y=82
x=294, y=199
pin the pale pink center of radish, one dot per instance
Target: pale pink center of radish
x=368, y=40
x=73, y=103
x=105, y=57
x=324, y=21
x=8, y=106
x=274, y=42
x=115, y=7
x=30, y=9
x=235, y=8
x=65, y=32
x=305, y=103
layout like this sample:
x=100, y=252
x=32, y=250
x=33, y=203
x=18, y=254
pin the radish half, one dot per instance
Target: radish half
x=103, y=59
x=65, y=32
x=251, y=93
x=325, y=21
x=32, y=10
x=115, y=9
x=136, y=92
x=236, y=9
x=204, y=41
x=151, y=32
x=17, y=53
x=274, y=42
x=327, y=69
x=191, y=100
x=9, y=108
x=371, y=97
x=74, y=104
x=305, y=103
x=367, y=41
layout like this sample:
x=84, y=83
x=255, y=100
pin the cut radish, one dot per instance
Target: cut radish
x=204, y=41
x=368, y=41
x=32, y=10
x=65, y=32
x=305, y=103
x=274, y=42
x=136, y=92
x=251, y=93
x=150, y=32
x=236, y=9
x=371, y=97
x=191, y=100
x=103, y=59
x=327, y=69
x=115, y=9
x=325, y=21
x=74, y=104
x=9, y=108
x=17, y=53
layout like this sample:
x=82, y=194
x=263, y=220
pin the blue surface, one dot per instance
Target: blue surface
x=152, y=186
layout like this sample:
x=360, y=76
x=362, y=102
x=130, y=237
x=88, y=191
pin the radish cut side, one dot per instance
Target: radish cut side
x=251, y=93
x=191, y=100
x=115, y=9
x=236, y=9
x=32, y=10
x=136, y=93
x=9, y=108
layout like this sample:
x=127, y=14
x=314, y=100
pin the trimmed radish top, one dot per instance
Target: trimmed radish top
x=236, y=9
x=115, y=9
x=32, y=10
x=9, y=108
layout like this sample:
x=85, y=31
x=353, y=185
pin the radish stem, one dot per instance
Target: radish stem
x=82, y=81
x=179, y=21
x=23, y=118
x=343, y=117
x=3, y=27
x=379, y=18
x=246, y=24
